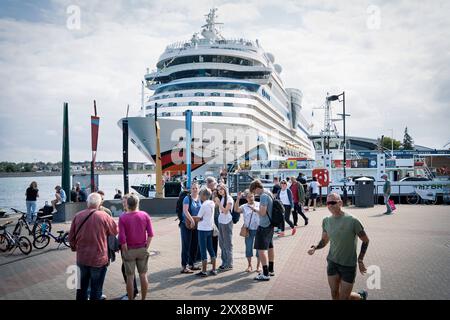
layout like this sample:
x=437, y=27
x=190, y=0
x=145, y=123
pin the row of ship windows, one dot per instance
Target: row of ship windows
x=210, y=103
x=195, y=103
x=239, y=143
x=202, y=113
x=199, y=94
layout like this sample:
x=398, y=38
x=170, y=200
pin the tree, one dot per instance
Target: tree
x=387, y=143
x=408, y=142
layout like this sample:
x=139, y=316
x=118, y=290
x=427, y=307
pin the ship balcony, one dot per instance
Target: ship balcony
x=156, y=74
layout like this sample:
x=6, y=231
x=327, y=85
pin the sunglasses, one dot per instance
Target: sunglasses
x=332, y=203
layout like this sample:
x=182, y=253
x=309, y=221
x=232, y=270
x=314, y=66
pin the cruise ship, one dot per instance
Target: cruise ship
x=241, y=110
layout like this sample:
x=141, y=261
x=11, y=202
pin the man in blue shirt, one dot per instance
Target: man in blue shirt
x=264, y=233
x=60, y=197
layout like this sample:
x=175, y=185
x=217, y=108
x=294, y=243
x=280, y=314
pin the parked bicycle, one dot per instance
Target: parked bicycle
x=10, y=241
x=40, y=223
x=41, y=241
x=415, y=198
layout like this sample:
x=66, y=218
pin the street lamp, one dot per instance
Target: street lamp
x=392, y=142
x=344, y=115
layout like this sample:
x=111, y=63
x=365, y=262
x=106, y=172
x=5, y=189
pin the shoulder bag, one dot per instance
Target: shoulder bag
x=79, y=228
x=245, y=230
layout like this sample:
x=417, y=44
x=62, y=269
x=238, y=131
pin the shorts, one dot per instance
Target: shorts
x=313, y=196
x=135, y=258
x=347, y=274
x=263, y=238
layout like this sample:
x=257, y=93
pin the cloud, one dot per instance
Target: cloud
x=393, y=76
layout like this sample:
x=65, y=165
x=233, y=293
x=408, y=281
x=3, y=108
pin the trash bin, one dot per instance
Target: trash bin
x=364, y=192
x=172, y=189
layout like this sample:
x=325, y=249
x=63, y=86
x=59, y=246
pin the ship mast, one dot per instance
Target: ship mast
x=209, y=30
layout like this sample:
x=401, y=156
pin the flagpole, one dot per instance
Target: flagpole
x=95, y=122
x=65, y=174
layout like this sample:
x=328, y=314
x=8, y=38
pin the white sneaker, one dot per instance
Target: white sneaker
x=262, y=277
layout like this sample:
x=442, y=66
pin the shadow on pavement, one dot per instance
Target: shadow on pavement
x=238, y=281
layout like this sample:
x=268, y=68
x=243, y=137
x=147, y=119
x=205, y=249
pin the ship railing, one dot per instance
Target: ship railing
x=206, y=42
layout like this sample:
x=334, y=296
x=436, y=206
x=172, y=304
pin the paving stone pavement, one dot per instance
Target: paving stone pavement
x=411, y=249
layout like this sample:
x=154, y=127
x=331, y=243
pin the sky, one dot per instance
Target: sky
x=392, y=59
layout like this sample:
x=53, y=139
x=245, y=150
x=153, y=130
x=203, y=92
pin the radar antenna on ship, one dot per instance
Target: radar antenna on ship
x=210, y=31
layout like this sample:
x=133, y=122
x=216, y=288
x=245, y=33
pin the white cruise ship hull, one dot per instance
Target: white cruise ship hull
x=214, y=144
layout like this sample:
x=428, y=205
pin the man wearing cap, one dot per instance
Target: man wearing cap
x=386, y=193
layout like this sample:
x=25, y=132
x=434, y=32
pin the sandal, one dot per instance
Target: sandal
x=249, y=269
x=187, y=270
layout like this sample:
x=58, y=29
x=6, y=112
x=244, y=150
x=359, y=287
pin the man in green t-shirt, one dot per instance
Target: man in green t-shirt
x=341, y=230
x=386, y=193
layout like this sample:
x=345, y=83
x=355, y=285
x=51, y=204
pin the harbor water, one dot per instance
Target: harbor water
x=12, y=189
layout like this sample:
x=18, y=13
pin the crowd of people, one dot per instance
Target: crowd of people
x=208, y=213
x=207, y=216
x=77, y=194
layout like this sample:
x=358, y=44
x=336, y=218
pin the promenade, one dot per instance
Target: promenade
x=410, y=247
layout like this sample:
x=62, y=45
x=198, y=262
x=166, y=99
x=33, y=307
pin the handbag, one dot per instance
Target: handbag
x=186, y=221
x=189, y=225
x=392, y=204
x=215, y=231
x=245, y=232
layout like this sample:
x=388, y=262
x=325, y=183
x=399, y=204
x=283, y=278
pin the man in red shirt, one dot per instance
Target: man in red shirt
x=299, y=198
x=88, y=237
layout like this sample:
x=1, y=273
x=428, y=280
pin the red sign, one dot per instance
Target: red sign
x=322, y=175
x=340, y=163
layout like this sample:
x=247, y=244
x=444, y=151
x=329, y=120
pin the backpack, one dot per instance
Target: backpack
x=277, y=213
x=179, y=208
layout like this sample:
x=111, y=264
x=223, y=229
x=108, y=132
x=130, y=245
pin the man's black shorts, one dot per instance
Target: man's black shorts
x=263, y=238
x=347, y=274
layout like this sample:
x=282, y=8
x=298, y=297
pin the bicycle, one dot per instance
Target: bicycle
x=9, y=240
x=38, y=224
x=41, y=241
x=415, y=198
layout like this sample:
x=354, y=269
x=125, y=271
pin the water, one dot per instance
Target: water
x=12, y=190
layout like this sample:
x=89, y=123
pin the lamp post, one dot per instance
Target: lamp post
x=159, y=186
x=344, y=115
x=392, y=142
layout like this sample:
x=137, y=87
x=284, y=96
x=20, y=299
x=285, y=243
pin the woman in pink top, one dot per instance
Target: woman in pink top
x=135, y=236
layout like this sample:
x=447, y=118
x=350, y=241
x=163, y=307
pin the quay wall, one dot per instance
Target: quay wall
x=155, y=207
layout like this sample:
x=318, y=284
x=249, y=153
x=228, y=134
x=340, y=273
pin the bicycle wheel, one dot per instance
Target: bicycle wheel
x=66, y=240
x=24, y=245
x=412, y=198
x=42, y=227
x=4, y=243
x=40, y=242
